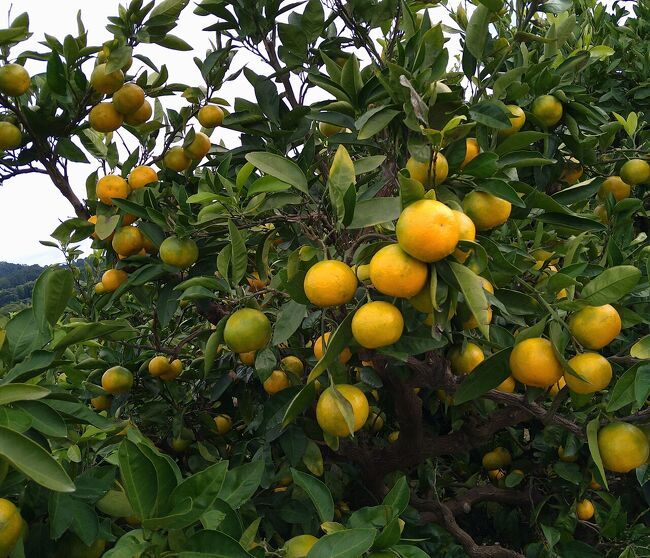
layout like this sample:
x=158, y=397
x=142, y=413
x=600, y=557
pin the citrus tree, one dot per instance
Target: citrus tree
x=405, y=316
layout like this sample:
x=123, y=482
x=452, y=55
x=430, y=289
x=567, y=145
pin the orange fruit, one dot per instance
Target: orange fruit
x=427, y=230
x=594, y=368
x=464, y=360
x=199, y=147
x=112, y=186
x=422, y=301
x=255, y=283
x=140, y=116
x=158, y=366
x=101, y=402
x=223, y=424
x=635, y=171
x=292, y=365
x=113, y=278
x=117, y=380
x=128, y=98
x=210, y=116
x=498, y=458
x=517, y=120
x=328, y=129
x=395, y=273
x=247, y=330
x=533, y=363
x=248, y=358
x=127, y=241
x=572, y=171
x=14, y=80
x=614, y=185
x=299, y=547
x=471, y=151
x=11, y=526
x=277, y=381
x=556, y=387
x=585, y=510
x=320, y=345
x=600, y=211
x=332, y=420
x=180, y=253
x=174, y=371
x=622, y=447
x=428, y=173
x=128, y=219
x=467, y=318
x=104, y=118
x=595, y=326
x=105, y=82
x=508, y=385
x=467, y=231
x=330, y=283
x=547, y=109
x=176, y=159
x=141, y=176
x=377, y=324
x=485, y=210
x=10, y=136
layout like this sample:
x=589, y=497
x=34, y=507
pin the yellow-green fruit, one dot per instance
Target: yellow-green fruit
x=635, y=171
x=199, y=147
x=329, y=415
x=595, y=326
x=128, y=98
x=115, y=503
x=328, y=129
x=71, y=546
x=140, y=116
x=176, y=159
x=10, y=136
x=464, y=360
x=11, y=526
x=104, y=118
x=223, y=424
x=594, y=368
x=14, y=80
x=616, y=186
x=517, y=120
x=210, y=116
x=106, y=82
x=177, y=252
x=585, y=510
x=247, y=330
x=292, y=365
x=429, y=173
x=622, y=447
x=299, y=547
x=533, y=363
x=547, y=109
x=377, y=324
x=498, y=458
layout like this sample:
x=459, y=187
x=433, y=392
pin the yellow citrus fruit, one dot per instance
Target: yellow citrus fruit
x=127, y=241
x=247, y=330
x=180, y=253
x=117, y=380
x=377, y=324
x=485, y=210
x=14, y=80
x=321, y=344
x=210, y=116
x=498, y=458
x=104, y=118
x=106, y=82
x=393, y=436
x=467, y=318
x=101, y=403
x=635, y=171
x=248, y=358
x=567, y=458
x=422, y=301
x=112, y=186
x=572, y=171
x=614, y=185
x=330, y=283
x=464, y=360
x=223, y=423
x=375, y=420
x=496, y=474
x=176, y=159
x=99, y=288
x=517, y=120
x=277, y=381
x=428, y=173
x=292, y=365
x=10, y=136
x=158, y=366
x=427, y=230
x=508, y=385
x=595, y=326
x=11, y=526
x=140, y=116
x=594, y=368
x=600, y=211
x=128, y=98
x=362, y=272
x=585, y=510
x=329, y=415
x=113, y=278
x=547, y=109
x=328, y=129
x=533, y=363
x=299, y=547
x=141, y=176
x=199, y=147
x=471, y=151
x=556, y=387
x=71, y=546
x=622, y=447
x=395, y=273
x=467, y=231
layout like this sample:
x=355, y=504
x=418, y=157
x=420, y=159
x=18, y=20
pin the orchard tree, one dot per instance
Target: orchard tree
x=406, y=316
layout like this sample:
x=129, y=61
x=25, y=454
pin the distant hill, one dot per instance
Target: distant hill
x=16, y=284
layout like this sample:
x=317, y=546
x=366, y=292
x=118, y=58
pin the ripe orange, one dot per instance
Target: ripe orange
x=248, y=358
x=508, y=385
x=320, y=345
x=600, y=211
x=498, y=458
x=533, y=363
x=547, y=109
x=223, y=424
x=141, y=176
x=377, y=324
x=104, y=118
x=277, y=381
x=10, y=136
x=467, y=231
x=426, y=173
x=395, y=273
x=173, y=371
x=427, y=230
x=635, y=171
x=585, y=510
x=106, y=82
x=158, y=366
x=176, y=159
x=11, y=526
x=622, y=447
x=127, y=241
x=199, y=147
x=112, y=186
x=330, y=283
x=101, y=403
x=292, y=365
x=328, y=129
x=595, y=326
x=485, y=210
x=14, y=80
x=117, y=380
x=140, y=116
x=471, y=151
x=329, y=415
x=594, y=368
x=614, y=185
x=299, y=547
x=247, y=330
x=113, y=278
x=517, y=120
x=128, y=98
x=572, y=171
x=210, y=116
x=180, y=253
x=463, y=361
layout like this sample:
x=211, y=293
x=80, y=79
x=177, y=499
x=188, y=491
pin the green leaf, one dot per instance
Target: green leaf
x=239, y=254
x=500, y=189
x=611, y=285
x=168, y=9
x=592, y=440
x=486, y=376
x=33, y=461
x=642, y=384
x=212, y=544
x=483, y=165
x=56, y=79
x=409, y=551
x=86, y=331
x=337, y=342
x=489, y=113
x=280, y=167
x=266, y=184
x=375, y=211
x=518, y=141
x=350, y=543
x=318, y=493
x=211, y=350
x=174, y=43
x=21, y=392
x=43, y=418
x=29, y=368
x=341, y=178
x=138, y=478
x=641, y=349
x=477, y=31
x=399, y=496
x=374, y=121
x=568, y=471
x=288, y=321
x=367, y=164
x=50, y=296
x=472, y=288
x=301, y=401
x=241, y=483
